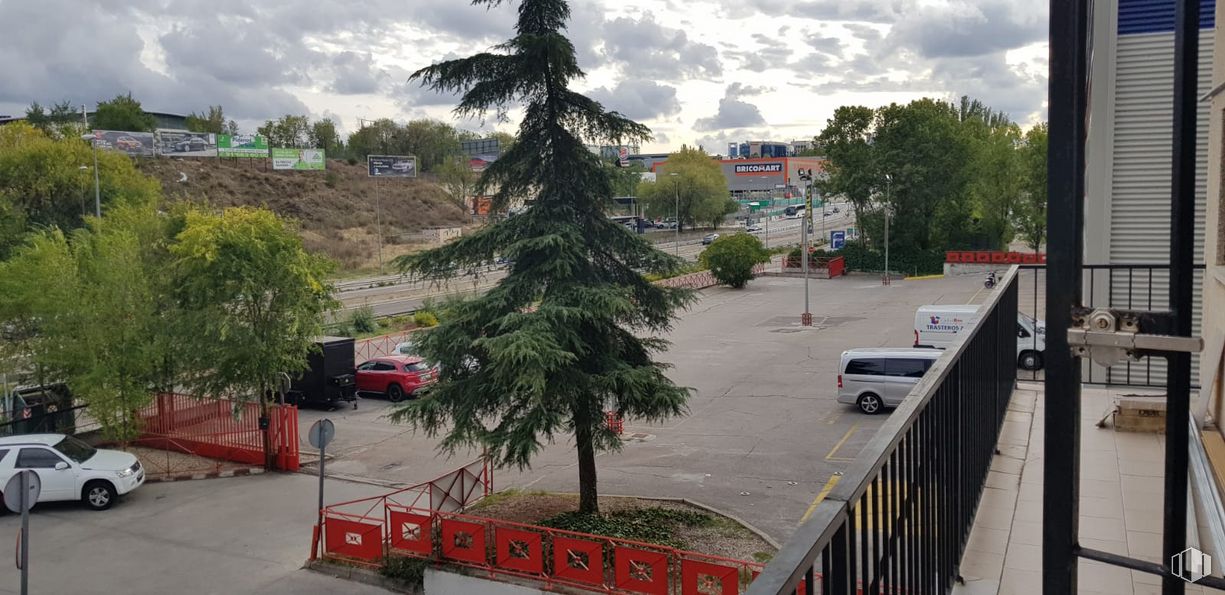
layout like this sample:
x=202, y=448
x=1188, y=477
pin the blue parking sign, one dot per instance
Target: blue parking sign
x=837, y=239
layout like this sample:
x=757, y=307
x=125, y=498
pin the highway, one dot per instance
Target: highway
x=390, y=295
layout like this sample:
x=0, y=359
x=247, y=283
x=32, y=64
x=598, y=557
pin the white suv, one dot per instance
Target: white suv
x=70, y=469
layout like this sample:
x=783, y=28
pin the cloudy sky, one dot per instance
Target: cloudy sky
x=695, y=71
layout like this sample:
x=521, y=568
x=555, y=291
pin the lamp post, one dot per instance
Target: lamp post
x=806, y=176
x=888, y=208
x=97, y=191
x=676, y=183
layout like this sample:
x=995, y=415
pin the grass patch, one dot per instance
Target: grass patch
x=409, y=572
x=504, y=496
x=652, y=524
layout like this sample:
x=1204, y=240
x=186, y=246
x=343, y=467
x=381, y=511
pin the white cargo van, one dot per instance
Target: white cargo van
x=875, y=378
x=937, y=326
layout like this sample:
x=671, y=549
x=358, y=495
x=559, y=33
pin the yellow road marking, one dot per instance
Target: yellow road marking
x=925, y=277
x=845, y=437
x=829, y=486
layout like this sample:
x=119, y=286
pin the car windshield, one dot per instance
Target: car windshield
x=75, y=449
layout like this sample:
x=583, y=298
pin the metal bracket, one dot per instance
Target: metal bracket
x=1110, y=337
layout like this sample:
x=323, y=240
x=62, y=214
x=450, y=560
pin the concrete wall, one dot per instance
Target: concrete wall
x=442, y=582
x=1213, y=324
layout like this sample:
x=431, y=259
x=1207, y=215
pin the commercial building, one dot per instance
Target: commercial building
x=775, y=179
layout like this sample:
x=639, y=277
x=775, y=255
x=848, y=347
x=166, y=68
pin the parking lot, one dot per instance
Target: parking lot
x=764, y=434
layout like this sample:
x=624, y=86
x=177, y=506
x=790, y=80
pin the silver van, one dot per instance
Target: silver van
x=875, y=378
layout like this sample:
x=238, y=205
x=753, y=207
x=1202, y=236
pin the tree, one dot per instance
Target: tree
x=52, y=123
x=626, y=179
x=253, y=297
x=554, y=345
x=995, y=180
x=457, y=178
x=373, y=139
x=698, y=191
x=323, y=135
x=433, y=142
x=731, y=258
x=123, y=113
x=288, y=131
x=1030, y=214
x=850, y=163
x=42, y=183
x=213, y=121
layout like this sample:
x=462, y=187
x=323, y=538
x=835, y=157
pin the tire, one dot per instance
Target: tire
x=395, y=394
x=1030, y=360
x=99, y=495
x=870, y=403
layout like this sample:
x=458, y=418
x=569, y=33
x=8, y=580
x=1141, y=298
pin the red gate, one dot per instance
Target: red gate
x=220, y=429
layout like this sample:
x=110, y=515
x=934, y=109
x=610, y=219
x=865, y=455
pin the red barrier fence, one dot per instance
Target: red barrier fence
x=700, y=279
x=820, y=267
x=380, y=346
x=220, y=429
x=993, y=257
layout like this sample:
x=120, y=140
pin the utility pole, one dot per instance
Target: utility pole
x=888, y=208
x=93, y=143
x=806, y=176
x=676, y=184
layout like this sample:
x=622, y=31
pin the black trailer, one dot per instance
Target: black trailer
x=330, y=380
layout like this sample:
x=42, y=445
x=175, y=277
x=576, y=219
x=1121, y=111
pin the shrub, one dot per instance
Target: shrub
x=352, y=160
x=362, y=320
x=652, y=525
x=911, y=262
x=425, y=318
x=731, y=258
x=408, y=571
x=330, y=179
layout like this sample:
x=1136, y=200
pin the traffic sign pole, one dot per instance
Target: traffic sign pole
x=321, y=433
x=25, y=532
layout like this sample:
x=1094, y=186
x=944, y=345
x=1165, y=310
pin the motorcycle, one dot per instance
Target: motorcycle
x=990, y=282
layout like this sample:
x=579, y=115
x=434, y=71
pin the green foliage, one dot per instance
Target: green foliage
x=652, y=525
x=731, y=258
x=625, y=180
x=212, y=121
x=859, y=257
x=433, y=142
x=425, y=318
x=698, y=191
x=42, y=183
x=556, y=342
x=288, y=131
x=323, y=134
x=846, y=144
x=409, y=571
x=457, y=179
x=362, y=320
x=123, y=113
x=254, y=297
x=330, y=179
x=352, y=160
x=1030, y=218
x=55, y=122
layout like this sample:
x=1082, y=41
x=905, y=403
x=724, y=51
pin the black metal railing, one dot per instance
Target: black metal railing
x=899, y=519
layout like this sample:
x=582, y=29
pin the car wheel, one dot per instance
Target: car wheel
x=99, y=495
x=869, y=403
x=395, y=394
x=1030, y=360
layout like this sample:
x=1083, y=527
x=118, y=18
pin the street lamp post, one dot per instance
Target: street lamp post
x=97, y=191
x=676, y=183
x=888, y=208
x=806, y=176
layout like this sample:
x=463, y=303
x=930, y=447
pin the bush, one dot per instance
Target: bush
x=425, y=318
x=330, y=179
x=362, y=320
x=911, y=262
x=652, y=525
x=408, y=571
x=352, y=160
x=731, y=258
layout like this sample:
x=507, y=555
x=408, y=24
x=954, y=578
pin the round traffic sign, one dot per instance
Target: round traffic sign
x=321, y=433
x=13, y=494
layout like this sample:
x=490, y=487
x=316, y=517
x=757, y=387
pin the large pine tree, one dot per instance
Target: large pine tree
x=556, y=343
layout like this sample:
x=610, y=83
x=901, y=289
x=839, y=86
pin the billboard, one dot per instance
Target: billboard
x=250, y=146
x=757, y=169
x=300, y=159
x=135, y=144
x=182, y=143
x=391, y=166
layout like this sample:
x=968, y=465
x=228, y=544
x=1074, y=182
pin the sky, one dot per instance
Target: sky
x=697, y=72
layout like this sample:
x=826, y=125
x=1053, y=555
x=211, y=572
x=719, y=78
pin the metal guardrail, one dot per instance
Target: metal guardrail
x=899, y=520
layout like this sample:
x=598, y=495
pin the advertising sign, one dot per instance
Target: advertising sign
x=391, y=166
x=135, y=144
x=481, y=205
x=298, y=159
x=623, y=156
x=757, y=169
x=249, y=146
x=182, y=143
x=837, y=239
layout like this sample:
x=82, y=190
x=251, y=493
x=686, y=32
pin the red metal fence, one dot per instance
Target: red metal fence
x=821, y=267
x=220, y=429
x=380, y=346
x=700, y=279
x=993, y=257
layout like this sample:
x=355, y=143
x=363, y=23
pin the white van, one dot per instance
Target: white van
x=937, y=326
x=875, y=378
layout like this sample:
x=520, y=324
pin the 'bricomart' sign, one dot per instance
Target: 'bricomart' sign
x=757, y=169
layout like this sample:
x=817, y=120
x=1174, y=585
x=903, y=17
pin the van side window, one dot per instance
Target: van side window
x=1021, y=332
x=866, y=367
x=906, y=368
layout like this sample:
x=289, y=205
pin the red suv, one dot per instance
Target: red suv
x=396, y=376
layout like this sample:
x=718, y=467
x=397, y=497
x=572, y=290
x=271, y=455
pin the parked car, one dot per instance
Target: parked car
x=69, y=469
x=709, y=239
x=754, y=228
x=187, y=145
x=396, y=377
x=405, y=348
x=875, y=378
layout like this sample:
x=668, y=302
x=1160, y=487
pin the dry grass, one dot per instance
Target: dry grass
x=335, y=209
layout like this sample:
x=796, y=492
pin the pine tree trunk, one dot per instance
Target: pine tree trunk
x=588, y=502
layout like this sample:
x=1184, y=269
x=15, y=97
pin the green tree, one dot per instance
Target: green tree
x=375, y=138
x=555, y=343
x=50, y=183
x=698, y=191
x=323, y=135
x=1030, y=214
x=995, y=180
x=288, y=131
x=626, y=179
x=433, y=142
x=850, y=161
x=123, y=113
x=212, y=121
x=731, y=258
x=254, y=298
x=457, y=179
x=53, y=122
